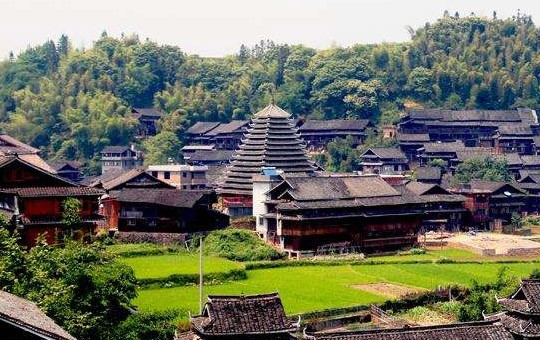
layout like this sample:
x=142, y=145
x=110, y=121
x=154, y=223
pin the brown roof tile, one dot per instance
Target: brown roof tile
x=27, y=315
x=230, y=315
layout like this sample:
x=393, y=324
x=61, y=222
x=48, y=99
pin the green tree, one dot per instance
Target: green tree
x=162, y=147
x=71, y=214
x=488, y=168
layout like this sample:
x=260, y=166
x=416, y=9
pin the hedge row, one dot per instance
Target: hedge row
x=177, y=280
x=301, y=263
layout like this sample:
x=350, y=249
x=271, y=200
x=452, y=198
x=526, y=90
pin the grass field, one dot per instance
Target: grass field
x=158, y=266
x=310, y=288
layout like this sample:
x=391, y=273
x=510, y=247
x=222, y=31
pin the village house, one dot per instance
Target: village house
x=137, y=201
x=209, y=157
x=491, y=204
x=521, y=311
x=384, y=161
x=530, y=183
x=439, y=150
x=32, y=199
x=271, y=141
x=409, y=143
x=222, y=135
x=241, y=317
x=318, y=133
x=68, y=169
x=475, y=127
x=185, y=177
x=513, y=161
x=21, y=319
x=147, y=119
x=120, y=158
x=301, y=213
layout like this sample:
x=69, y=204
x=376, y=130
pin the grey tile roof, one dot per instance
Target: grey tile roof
x=233, y=126
x=334, y=124
x=387, y=153
x=413, y=137
x=27, y=315
x=428, y=173
x=202, y=127
x=167, y=197
x=235, y=315
x=115, y=149
x=458, y=331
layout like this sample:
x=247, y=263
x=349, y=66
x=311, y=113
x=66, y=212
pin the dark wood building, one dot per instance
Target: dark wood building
x=531, y=184
x=439, y=150
x=487, y=128
x=70, y=170
x=409, y=143
x=137, y=201
x=318, y=133
x=521, y=311
x=222, y=135
x=305, y=213
x=147, y=119
x=209, y=157
x=491, y=204
x=271, y=141
x=21, y=319
x=33, y=198
x=241, y=317
x=384, y=161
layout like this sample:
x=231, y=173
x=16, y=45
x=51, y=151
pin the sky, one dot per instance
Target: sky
x=219, y=27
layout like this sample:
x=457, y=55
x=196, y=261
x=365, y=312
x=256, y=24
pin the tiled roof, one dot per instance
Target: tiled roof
x=458, y=331
x=167, y=197
x=334, y=124
x=115, y=149
x=529, y=160
x=519, y=115
x=210, y=155
x=387, y=153
x=53, y=191
x=271, y=141
x=10, y=145
x=147, y=111
x=515, y=130
x=477, y=185
x=27, y=315
x=428, y=173
x=231, y=127
x=528, y=327
x=59, y=164
x=201, y=127
x=110, y=181
x=413, y=137
x=448, y=147
x=27, y=160
x=345, y=187
x=234, y=315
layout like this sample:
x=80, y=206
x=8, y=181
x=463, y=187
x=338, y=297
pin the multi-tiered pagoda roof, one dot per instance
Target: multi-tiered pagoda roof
x=272, y=140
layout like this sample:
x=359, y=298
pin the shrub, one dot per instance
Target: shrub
x=146, y=325
x=239, y=245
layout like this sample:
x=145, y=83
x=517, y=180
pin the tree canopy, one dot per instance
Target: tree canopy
x=72, y=102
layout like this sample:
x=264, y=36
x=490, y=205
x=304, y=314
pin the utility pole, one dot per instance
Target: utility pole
x=201, y=274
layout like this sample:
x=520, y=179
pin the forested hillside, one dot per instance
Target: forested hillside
x=71, y=103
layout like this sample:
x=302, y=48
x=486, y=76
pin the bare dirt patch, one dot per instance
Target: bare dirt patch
x=389, y=290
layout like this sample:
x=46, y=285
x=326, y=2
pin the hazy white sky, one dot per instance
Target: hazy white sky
x=218, y=27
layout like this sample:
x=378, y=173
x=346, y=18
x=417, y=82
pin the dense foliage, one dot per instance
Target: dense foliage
x=82, y=288
x=71, y=102
x=239, y=245
x=488, y=169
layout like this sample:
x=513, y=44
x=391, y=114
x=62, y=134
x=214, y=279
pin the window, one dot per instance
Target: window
x=132, y=222
x=152, y=223
x=184, y=187
x=167, y=175
x=184, y=174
